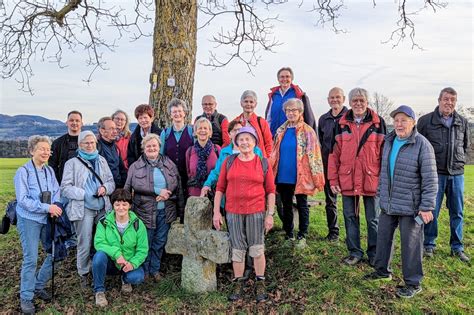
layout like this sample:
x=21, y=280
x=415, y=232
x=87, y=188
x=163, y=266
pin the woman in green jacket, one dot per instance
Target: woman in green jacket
x=121, y=243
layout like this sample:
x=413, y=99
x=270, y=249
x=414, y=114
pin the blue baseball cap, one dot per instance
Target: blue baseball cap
x=404, y=109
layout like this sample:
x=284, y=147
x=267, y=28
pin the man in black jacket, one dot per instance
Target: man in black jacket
x=448, y=133
x=326, y=125
x=107, y=148
x=64, y=147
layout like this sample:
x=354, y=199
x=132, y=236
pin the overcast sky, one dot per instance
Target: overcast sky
x=320, y=59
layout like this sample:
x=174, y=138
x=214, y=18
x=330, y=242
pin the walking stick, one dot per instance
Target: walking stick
x=53, y=228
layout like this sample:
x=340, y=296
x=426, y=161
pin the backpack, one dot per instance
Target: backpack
x=10, y=212
x=232, y=158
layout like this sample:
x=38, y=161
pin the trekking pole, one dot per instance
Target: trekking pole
x=53, y=228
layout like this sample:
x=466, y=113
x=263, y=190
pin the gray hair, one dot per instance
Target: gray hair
x=200, y=121
x=248, y=93
x=176, y=102
x=299, y=104
x=359, y=92
x=286, y=69
x=101, y=122
x=448, y=90
x=84, y=134
x=150, y=137
x=34, y=140
x=336, y=89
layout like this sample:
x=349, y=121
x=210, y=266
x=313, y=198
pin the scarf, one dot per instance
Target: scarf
x=154, y=162
x=88, y=156
x=203, y=154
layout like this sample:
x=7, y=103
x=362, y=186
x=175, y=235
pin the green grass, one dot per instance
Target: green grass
x=308, y=281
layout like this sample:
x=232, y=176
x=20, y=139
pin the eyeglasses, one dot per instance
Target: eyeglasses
x=292, y=110
x=88, y=143
x=120, y=119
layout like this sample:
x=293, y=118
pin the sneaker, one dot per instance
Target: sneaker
x=261, y=294
x=428, y=252
x=332, y=237
x=126, y=288
x=376, y=276
x=301, y=243
x=43, y=295
x=237, y=289
x=27, y=306
x=85, y=282
x=461, y=255
x=408, y=291
x=100, y=299
x=352, y=260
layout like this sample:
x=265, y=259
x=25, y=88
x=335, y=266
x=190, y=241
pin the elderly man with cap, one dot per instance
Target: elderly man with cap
x=248, y=183
x=87, y=184
x=407, y=189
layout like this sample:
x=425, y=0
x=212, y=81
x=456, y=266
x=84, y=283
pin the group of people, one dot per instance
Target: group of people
x=121, y=190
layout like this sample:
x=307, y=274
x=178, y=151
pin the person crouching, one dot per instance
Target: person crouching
x=121, y=243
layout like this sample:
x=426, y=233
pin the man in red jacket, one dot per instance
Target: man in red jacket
x=353, y=171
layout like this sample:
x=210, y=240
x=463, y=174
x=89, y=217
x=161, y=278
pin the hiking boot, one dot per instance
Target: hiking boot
x=126, y=288
x=27, y=306
x=461, y=255
x=332, y=237
x=261, y=294
x=237, y=290
x=376, y=276
x=428, y=252
x=352, y=260
x=100, y=299
x=300, y=243
x=157, y=277
x=85, y=282
x=408, y=291
x=372, y=261
x=43, y=295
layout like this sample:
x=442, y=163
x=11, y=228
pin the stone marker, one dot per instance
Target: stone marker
x=200, y=246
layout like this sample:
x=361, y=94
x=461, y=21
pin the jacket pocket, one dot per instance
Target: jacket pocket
x=140, y=181
x=371, y=178
x=345, y=177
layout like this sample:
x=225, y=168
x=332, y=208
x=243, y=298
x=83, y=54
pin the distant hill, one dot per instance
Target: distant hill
x=20, y=127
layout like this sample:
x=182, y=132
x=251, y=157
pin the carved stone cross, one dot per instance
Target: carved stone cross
x=202, y=248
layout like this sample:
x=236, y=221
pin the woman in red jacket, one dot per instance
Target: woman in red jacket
x=248, y=184
x=248, y=101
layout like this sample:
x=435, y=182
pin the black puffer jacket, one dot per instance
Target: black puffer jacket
x=415, y=181
x=134, y=149
x=140, y=179
x=450, y=144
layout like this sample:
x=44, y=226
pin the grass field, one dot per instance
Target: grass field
x=308, y=281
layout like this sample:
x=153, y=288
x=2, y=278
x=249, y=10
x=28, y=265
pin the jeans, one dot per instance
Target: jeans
x=453, y=187
x=102, y=265
x=286, y=192
x=31, y=233
x=156, y=243
x=352, y=224
x=411, y=238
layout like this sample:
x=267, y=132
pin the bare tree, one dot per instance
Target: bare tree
x=382, y=105
x=44, y=29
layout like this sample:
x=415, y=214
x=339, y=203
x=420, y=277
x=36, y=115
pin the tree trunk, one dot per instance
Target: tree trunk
x=174, y=56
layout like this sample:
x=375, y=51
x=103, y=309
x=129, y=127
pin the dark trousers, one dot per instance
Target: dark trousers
x=287, y=191
x=352, y=223
x=411, y=237
x=331, y=204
